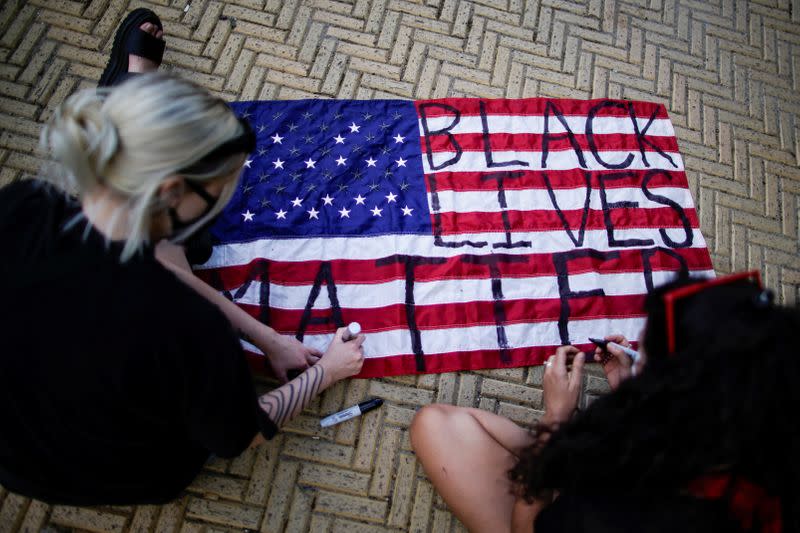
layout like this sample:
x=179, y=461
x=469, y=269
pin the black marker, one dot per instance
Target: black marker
x=351, y=412
x=633, y=354
x=604, y=344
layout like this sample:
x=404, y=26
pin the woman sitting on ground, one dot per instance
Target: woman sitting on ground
x=118, y=377
x=704, y=438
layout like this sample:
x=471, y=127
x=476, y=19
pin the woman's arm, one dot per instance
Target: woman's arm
x=286, y=402
x=341, y=360
x=284, y=353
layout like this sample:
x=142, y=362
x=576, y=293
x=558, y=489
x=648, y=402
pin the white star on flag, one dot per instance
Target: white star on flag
x=339, y=139
x=297, y=202
x=327, y=199
x=277, y=139
x=354, y=128
x=248, y=216
x=376, y=212
x=391, y=197
x=340, y=161
x=344, y=213
x=248, y=162
x=401, y=162
x=399, y=139
x=371, y=162
x=310, y=163
x=281, y=214
x=359, y=200
x=312, y=213
x=278, y=163
x=407, y=211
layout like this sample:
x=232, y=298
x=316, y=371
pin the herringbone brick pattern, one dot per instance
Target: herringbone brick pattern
x=728, y=71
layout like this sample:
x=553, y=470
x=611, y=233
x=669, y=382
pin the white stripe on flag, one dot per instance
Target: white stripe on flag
x=447, y=291
x=661, y=127
x=567, y=199
x=356, y=247
x=556, y=160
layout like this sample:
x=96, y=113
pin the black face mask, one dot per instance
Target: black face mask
x=245, y=143
x=179, y=225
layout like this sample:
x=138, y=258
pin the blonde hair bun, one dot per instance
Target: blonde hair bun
x=133, y=137
x=83, y=139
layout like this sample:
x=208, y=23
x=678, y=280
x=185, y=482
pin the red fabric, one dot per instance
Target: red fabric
x=560, y=179
x=532, y=142
x=536, y=106
x=438, y=316
x=749, y=503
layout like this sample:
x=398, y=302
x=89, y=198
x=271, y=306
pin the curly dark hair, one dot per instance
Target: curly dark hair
x=726, y=401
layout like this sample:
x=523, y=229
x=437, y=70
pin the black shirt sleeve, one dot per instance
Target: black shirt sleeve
x=218, y=400
x=14, y=196
x=29, y=210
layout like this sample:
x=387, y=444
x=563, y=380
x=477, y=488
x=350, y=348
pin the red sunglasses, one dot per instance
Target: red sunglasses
x=681, y=293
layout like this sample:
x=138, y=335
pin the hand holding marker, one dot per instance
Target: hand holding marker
x=604, y=344
x=353, y=329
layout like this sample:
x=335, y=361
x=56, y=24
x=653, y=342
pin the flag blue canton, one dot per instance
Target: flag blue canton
x=329, y=168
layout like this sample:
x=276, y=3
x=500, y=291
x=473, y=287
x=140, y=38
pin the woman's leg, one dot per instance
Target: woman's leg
x=467, y=454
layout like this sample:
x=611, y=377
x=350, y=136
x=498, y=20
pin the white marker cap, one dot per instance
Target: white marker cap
x=353, y=329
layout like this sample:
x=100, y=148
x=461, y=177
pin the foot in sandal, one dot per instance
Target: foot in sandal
x=138, y=47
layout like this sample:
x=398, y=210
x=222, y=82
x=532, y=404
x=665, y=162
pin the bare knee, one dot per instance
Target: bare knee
x=426, y=421
x=433, y=422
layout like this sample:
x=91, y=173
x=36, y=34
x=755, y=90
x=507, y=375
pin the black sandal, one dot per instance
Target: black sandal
x=131, y=39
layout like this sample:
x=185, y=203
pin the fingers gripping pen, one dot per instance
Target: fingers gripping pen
x=633, y=354
x=630, y=352
x=603, y=344
x=352, y=331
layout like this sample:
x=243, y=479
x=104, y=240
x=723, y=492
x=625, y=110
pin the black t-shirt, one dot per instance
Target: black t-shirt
x=618, y=512
x=117, y=381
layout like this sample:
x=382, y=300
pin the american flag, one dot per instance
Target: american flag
x=460, y=233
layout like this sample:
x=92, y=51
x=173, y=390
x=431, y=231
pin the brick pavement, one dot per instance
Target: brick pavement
x=728, y=71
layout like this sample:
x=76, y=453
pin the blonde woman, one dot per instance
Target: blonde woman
x=118, y=376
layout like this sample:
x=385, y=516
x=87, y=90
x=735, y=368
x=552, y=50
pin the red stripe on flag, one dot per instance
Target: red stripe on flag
x=347, y=271
x=559, y=179
x=455, y=314
x=454, y=361
x=532, y=142
x=452, y=223
x=536, y=106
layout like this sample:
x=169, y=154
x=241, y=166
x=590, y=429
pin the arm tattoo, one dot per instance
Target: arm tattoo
x=286, y=402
